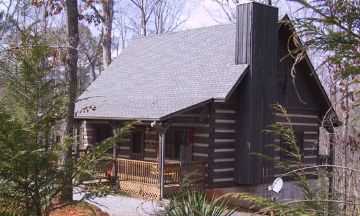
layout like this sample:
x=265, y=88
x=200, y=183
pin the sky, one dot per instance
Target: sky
x=199, y=12
x=199, y=16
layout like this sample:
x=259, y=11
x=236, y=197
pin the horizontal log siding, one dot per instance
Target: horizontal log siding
x=86, y=133
x=307, y=122
x=151, y=145
x=123, y=149
x=198, y=121
x=224, y=145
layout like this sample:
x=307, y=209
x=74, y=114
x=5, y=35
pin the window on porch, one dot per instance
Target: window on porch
x=101, y=132
x=178, y=144
x=137, y=145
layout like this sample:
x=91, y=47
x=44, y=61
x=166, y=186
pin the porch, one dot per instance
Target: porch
x=155, y=158
x=142, y=178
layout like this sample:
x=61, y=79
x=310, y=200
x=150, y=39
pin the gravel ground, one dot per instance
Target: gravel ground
x=128, y=206
x=125, y=206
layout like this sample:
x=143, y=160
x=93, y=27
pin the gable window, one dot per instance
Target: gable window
x=299, y=139
x=177, y=142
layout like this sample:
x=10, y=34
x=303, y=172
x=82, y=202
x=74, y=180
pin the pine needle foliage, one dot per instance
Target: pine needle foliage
x=30, y=112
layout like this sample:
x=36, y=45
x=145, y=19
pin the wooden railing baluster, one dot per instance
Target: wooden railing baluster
x=148, y=172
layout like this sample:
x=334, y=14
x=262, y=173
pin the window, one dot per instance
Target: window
x=101, y=132
x=299, y=139
x=137, y=139
x=177, y=140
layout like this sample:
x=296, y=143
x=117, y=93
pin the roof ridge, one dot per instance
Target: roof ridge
x=192, y=29
x=181, y=31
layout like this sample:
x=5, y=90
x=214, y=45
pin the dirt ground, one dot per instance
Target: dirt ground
x=81, y=209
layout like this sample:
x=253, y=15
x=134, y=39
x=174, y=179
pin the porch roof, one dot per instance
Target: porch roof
x=157, y=76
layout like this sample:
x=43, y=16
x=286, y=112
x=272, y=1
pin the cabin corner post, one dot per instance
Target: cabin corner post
x=211, y=158
x=88, y=139
x=331, y=159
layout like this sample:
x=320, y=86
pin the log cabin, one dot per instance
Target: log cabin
x=204, y=98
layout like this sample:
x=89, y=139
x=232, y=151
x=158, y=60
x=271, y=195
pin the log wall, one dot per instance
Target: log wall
x=307, y=123
x=223, y=151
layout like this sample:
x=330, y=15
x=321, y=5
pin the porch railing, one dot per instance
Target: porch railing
x=139, y=171
x=103, y=170
x=148, y=172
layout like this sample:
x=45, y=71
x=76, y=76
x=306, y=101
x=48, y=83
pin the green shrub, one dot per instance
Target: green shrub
x=196, y=204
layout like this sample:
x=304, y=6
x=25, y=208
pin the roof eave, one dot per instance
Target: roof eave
x=237, y=83
x=201, y=104
x=115, y=118
x=313, y=72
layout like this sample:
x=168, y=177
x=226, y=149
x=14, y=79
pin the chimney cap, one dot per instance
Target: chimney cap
x=244, y=2
x=241, y=2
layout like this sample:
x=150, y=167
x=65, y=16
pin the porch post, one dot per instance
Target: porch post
x=114, y=167
x=162, y=135
x=162, y=148
x=114, y=164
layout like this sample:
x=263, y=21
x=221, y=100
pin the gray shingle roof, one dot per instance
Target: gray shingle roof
x=157, y=76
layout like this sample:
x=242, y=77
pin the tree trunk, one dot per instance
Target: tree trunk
x=71, y=70
x=108, y=14
x=143, y=25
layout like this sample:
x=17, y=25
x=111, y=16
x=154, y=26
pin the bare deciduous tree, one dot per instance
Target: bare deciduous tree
x=168, y=15
x=146, y=9
x=136, y=18
x=106, y=15
x=227, y=10
x=122, y=28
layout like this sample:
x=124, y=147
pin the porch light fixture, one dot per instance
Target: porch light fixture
x=153, y=124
